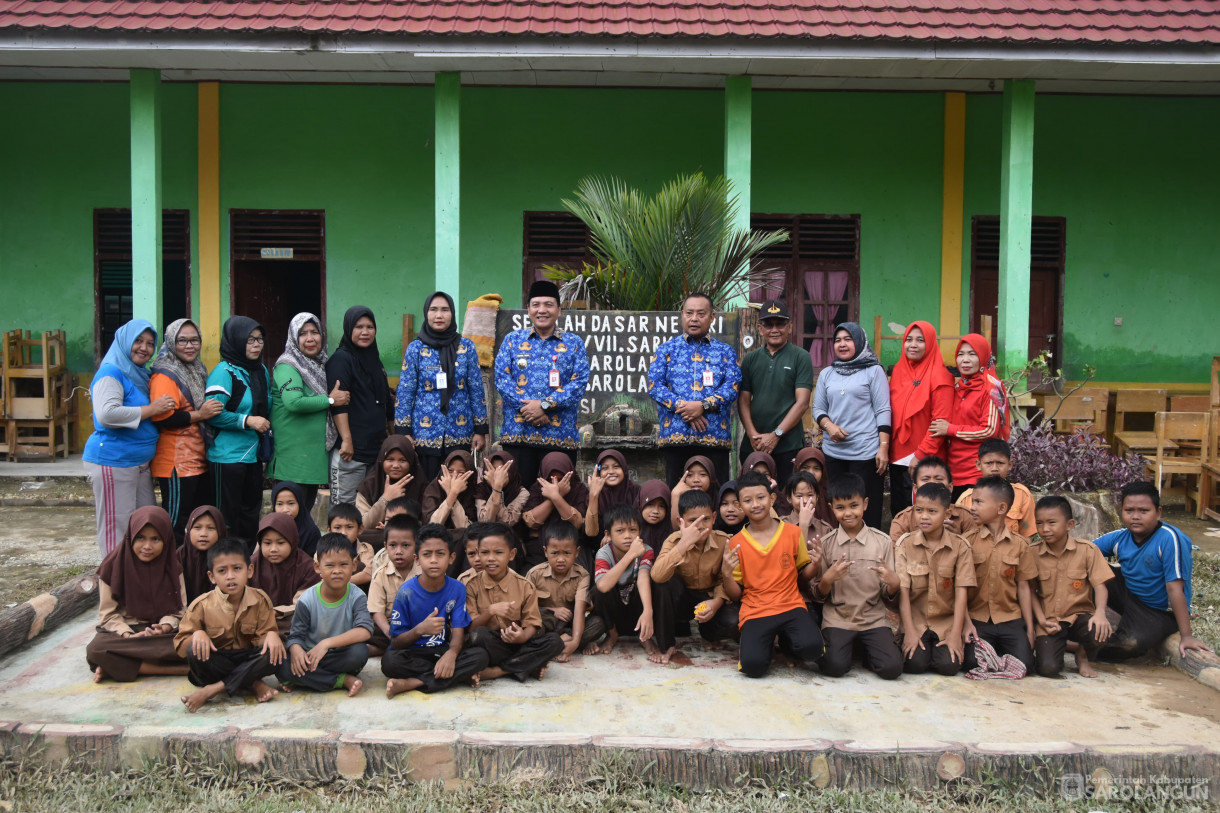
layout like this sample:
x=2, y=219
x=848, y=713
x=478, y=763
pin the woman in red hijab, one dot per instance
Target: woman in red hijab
x=980, y=411
x=921, y=391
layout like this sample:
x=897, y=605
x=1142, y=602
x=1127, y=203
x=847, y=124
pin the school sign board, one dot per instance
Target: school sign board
x=620, y=345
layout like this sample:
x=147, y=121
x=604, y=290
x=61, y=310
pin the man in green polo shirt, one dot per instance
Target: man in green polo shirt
x=776, y=384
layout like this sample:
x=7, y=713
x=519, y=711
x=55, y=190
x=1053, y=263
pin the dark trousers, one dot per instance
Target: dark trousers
x=1006, y=638
x=518, y=660
x=334, y=667
x=1141, y=628
x=311, y=495
x=239, y=496
x=180, y=496
x=617, y=615
x=238, y=668
x=932, y=656
x=529, y=459
x=1050, y=649
x=874, y=484
x=798, y=637
x=676, y=457
x=785, y=462
x=900, y=489
x=595, y=627
x=120, y=657
x=880, y=651
x=419, y=663
x=673, y=601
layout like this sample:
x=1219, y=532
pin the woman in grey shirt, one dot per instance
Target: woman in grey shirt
x=852, y=406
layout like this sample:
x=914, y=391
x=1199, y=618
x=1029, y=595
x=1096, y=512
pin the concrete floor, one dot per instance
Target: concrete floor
x=624, y=695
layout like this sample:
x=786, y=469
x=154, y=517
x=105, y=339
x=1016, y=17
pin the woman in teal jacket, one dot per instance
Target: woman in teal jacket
x=243, y=386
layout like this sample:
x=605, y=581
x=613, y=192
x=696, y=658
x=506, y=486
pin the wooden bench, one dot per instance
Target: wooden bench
x=1136, y=402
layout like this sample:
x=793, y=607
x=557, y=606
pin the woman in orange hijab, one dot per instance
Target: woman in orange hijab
x=921, y=391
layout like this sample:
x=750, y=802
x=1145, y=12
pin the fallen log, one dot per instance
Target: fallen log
x=47, y=611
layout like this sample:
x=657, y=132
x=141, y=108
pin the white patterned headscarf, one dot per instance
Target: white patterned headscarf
x=312, y=370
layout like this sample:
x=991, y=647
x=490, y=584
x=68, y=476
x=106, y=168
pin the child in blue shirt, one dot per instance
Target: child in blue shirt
x=1152, y=589
x=428, y=624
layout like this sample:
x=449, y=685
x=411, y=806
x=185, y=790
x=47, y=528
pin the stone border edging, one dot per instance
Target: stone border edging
x=449, y=757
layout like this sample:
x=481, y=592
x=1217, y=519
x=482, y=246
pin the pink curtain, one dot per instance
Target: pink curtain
x=819, y=298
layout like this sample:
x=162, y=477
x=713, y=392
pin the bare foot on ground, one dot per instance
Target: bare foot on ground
x=491, y=673
x=656, y=655
x=592, y=649
x=197, y=698
x=353, y=685
x=396, y=686
x=262, y=692
x=98, y=675
x=608, y=645
x=540, y=672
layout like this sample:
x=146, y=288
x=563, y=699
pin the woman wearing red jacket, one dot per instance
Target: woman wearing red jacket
x=921, y=391
x=980, y=411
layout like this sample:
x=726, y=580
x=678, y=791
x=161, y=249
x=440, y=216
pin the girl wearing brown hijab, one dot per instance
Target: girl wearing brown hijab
x=698, y=473
x=204, y=528
x=395, y=474
x=765, y=460
x=449, y=499
x=500, y=497
x=609, y=485
x=557, y=494
x=141, y=598
x=654, y=505
x=280, y=568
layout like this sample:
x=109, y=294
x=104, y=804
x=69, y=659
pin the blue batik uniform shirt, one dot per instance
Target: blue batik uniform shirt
x=677, y=373
x=418, y=409
x=1164, y=557
x=523, y=373
x=413, y=604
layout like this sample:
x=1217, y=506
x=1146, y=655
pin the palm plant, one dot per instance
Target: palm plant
x=652, y=252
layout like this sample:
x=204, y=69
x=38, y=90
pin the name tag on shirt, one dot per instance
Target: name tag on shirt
x=707, y=378
x=553, y=379
x=442, y=380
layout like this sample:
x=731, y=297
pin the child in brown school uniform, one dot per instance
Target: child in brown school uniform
x=403, y=506
x=1001, y=606
x=688, y=581
x=468, y=565
x=563, y=593
x=935, y=573
x=279, y=568
x=802, y=491
x=398, y=565
x=345, y=519
x=623, y=596
x=958, y=518
x=503, y=607
x=1072, y=595
x=857, y=579
x=228, y=635
x=995, y=460
x=141, y=597
x=204, y=528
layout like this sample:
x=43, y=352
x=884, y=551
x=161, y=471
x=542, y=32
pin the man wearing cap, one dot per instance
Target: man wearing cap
x=541, y=375
x=776, y=385
x=694, y=378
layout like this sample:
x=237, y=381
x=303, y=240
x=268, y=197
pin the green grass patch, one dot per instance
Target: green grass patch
x=1205, y=583
x=182, y=785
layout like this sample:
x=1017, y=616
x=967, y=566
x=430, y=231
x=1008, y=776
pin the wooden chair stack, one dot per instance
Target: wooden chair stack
x=1182, y=440
x=37, y=395
x=1209, y=503
x=1085, y=409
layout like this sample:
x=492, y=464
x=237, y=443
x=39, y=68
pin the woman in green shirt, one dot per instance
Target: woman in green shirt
x=300, y=412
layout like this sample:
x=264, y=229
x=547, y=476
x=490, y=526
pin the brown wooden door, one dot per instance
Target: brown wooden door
x=1045, y=281
x=272, y=291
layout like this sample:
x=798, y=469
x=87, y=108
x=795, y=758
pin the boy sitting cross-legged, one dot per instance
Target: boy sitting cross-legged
x=247, y=646
x=327, y=646
x=394, y=564
x=762, y=566
x=624, y=586
x=1072, y=576
x=935, y=572
x=503, y=606
x=687, y=580
x=563, y=592
x=857, y=579
x=1001, y=606
x=428, y=646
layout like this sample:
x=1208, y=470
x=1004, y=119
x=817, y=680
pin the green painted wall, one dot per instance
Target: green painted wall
x=69, y=156
x=1136, y=179
x=527, y=149
x=362, y=153
x=878, y=155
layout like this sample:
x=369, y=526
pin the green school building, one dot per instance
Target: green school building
x=1055, y=168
